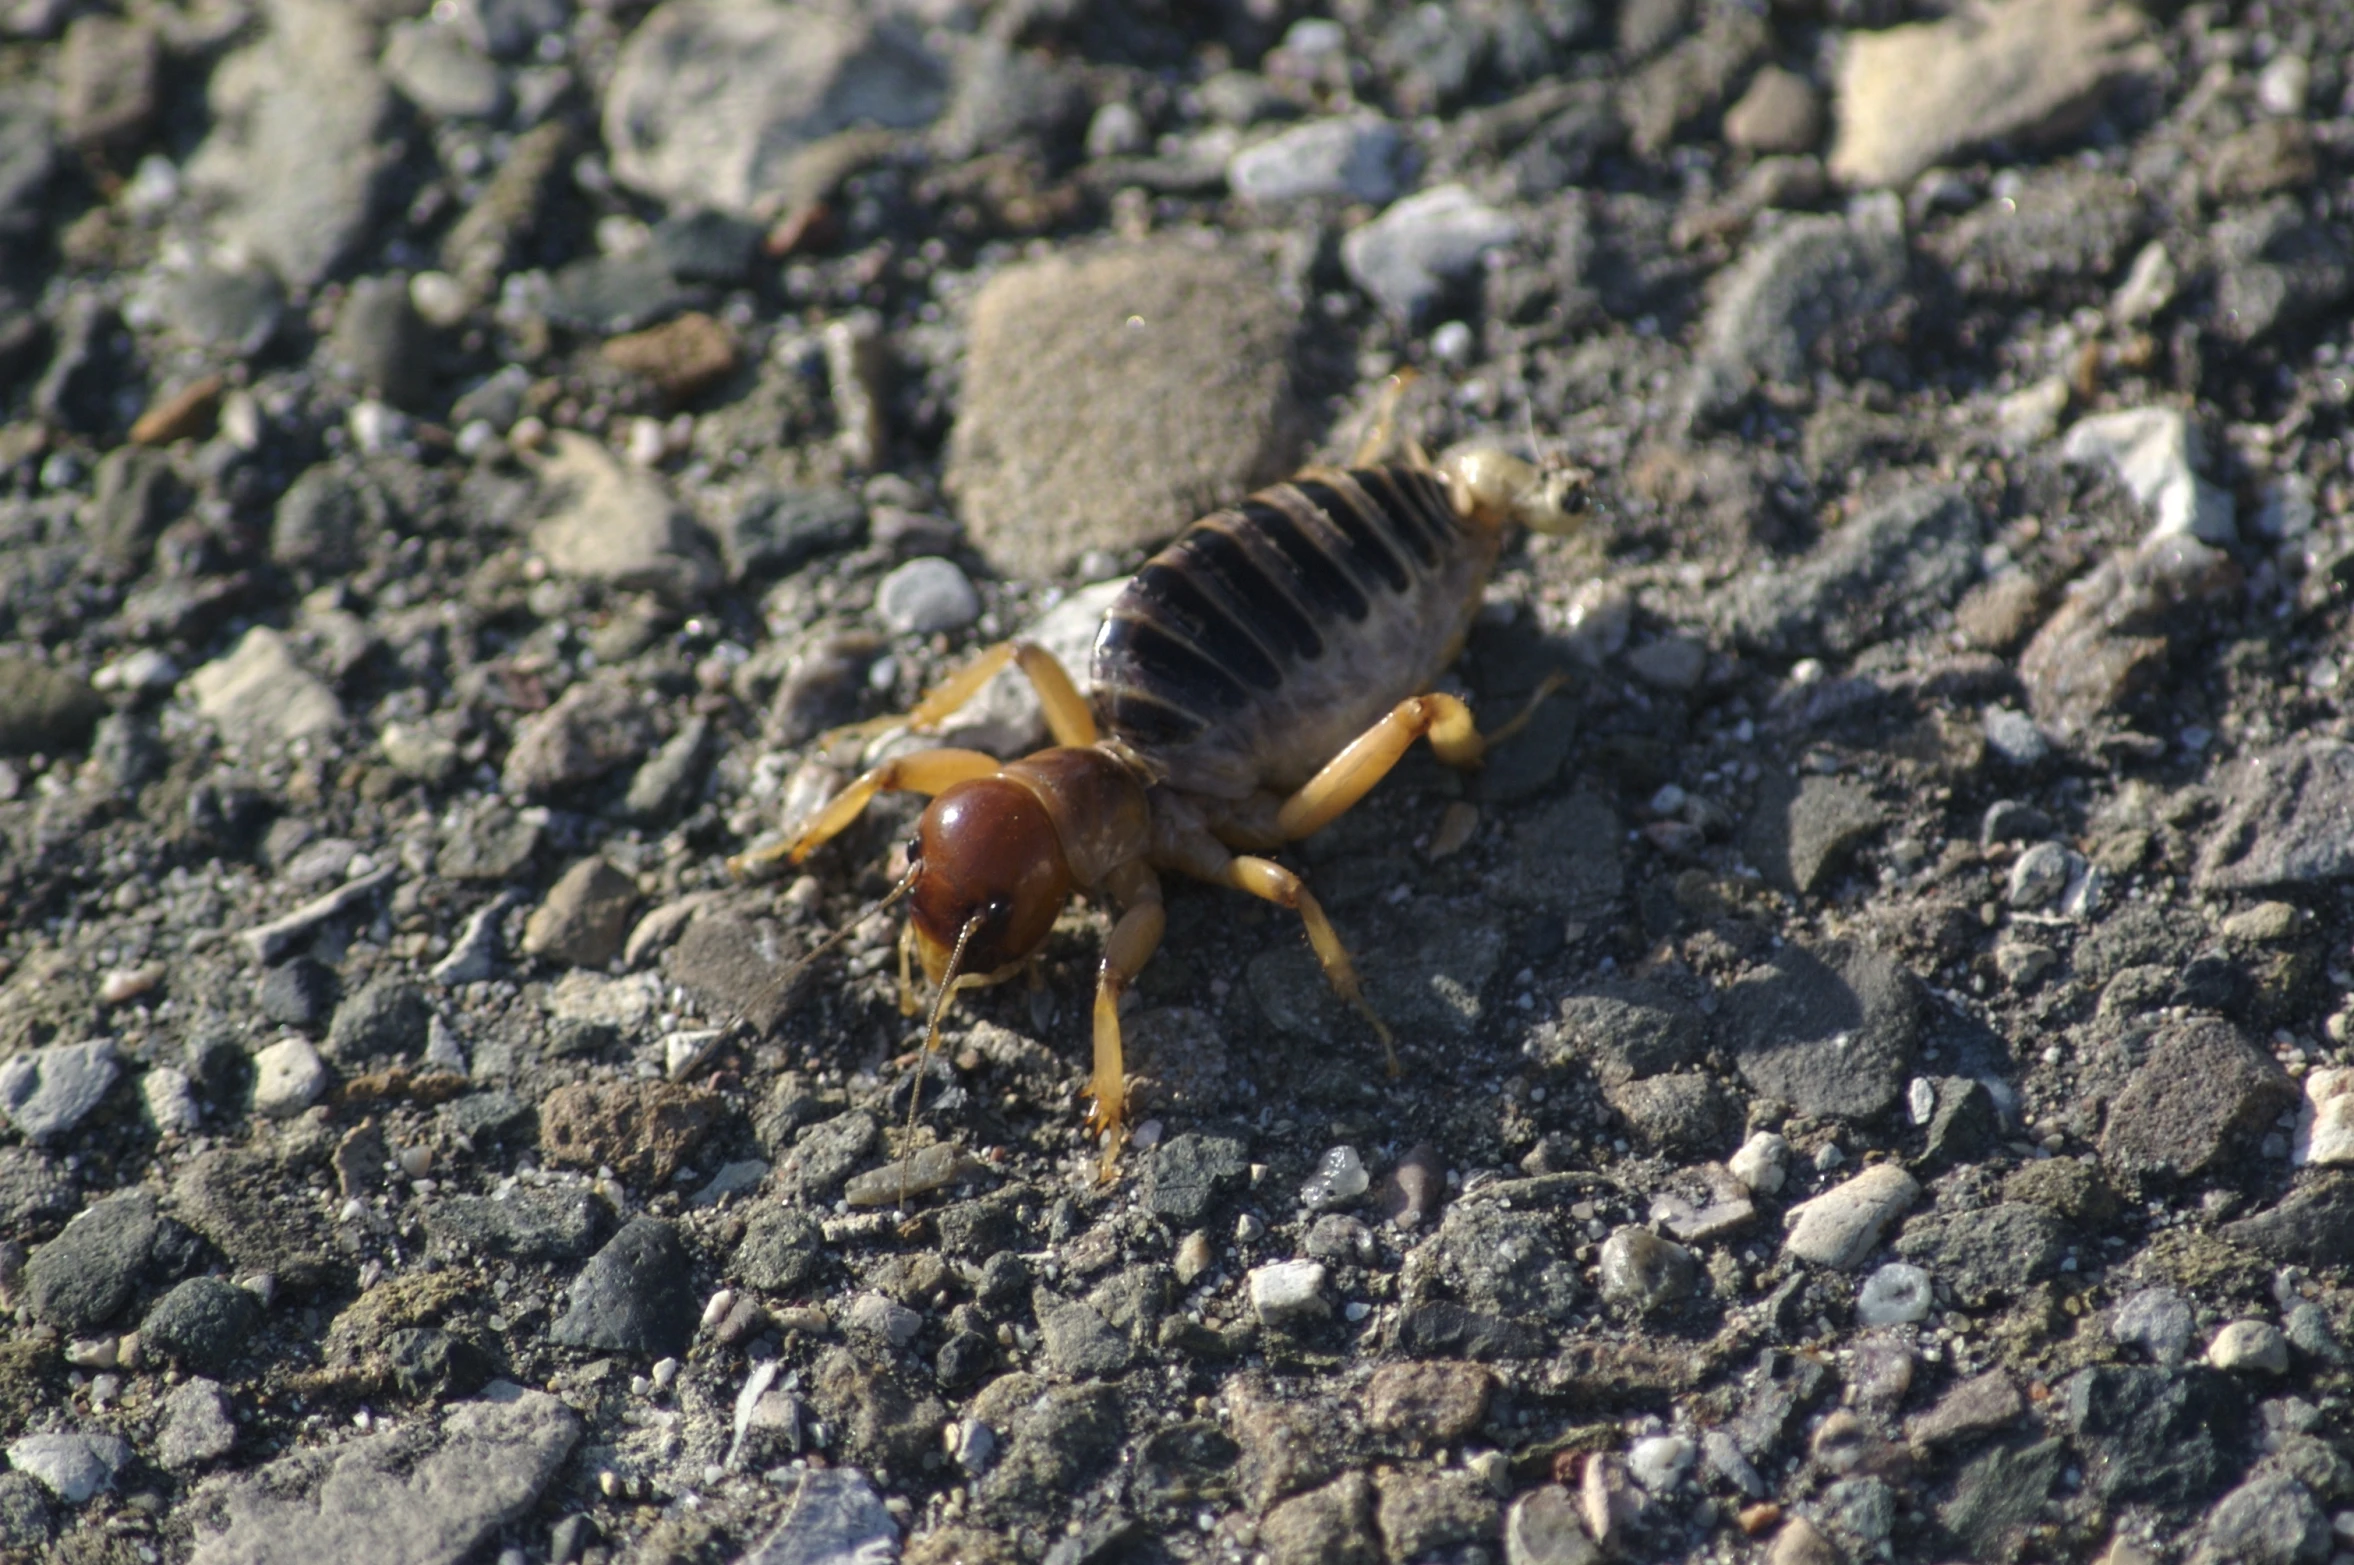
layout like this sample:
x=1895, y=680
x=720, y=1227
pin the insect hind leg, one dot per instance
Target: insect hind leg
x=1271, y=882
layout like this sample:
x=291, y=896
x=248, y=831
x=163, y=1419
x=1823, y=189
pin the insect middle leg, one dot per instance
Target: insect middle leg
x=1271, y=882
x=1348, y=776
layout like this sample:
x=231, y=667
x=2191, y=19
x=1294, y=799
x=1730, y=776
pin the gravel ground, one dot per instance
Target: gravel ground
x=1877, y=1081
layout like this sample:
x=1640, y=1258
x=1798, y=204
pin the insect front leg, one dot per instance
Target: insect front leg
x=924, y=771
x=1133, y=940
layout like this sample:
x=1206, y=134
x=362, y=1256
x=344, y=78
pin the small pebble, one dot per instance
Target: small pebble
x=925, y=595
x=288, y=1077
x=1896, y=1295
x=2252, y=1345
x=1340, y=1178
x=1659, y=1462
x=1288, y=1291
x=1762, y=1163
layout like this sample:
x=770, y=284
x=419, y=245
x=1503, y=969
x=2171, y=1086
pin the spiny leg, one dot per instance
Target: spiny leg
x=1132, y=943
x=923, y=771
x=1271, y=882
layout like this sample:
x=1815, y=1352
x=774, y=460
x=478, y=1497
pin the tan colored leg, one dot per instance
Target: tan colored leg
x=1271, y=882
x=1348, y=776
x=1133, y=940
x=924, y=771
x=1067, y=715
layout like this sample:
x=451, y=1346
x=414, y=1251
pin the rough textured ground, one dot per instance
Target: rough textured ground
x=1875, y=1047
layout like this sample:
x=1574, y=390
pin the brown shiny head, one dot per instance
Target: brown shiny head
x=986, y=849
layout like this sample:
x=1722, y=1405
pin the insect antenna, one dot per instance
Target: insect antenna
x=849, y=928
x=915, y=1091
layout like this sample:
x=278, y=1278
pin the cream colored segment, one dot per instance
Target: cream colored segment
x=1350, y=775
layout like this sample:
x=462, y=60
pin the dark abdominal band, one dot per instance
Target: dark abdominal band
x=1218, y=618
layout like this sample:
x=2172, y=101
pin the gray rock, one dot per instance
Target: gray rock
x=1641, y=1272
x=1001, y=97
x=198, y=1425
x=233, y=309
x=1988, y=1255
x=1999, y=1494
x=1410, y=256
x=259, y=696
x=2202, y=1092
x=634, y=1296
x=1491, y=1259
x=927, y=595
x=2012, y=735
x=2113, y=636
x=438, y=69
x=665, y=784
x=712, y=101
x=427, y=1492
x=28, y=158
x=1831, y=1033
x=555, y=1224
x=387, y=1016
x=1191, y=1173
x=1895, y=1295
x=1802, y=831
x=1683, y=1112
x=1811, y=279
x=33, y=1191
x=134, y=497
x=606, y=521
x=2288, y=819
x=2277, y=269
x=1622, y=1035
x=2147, y=1434
x=1080, y=1343
x=609, y=294
x=833, y=1517
x=2059, y=226
x=44, y=710
x=825, y=1154
x=83, y=1277
x=47, y=1092
x=880, y=1419
x=1354, y=157
x=781, y=1251
x=297, y=993
x=204, y=1324
x=2270, y=1520
x=1178, y=358
x=593, y=728
x=1881, y=575
x=774, y=531
x=243, y=1202
x=1544, y=1528
x=492, y=842
x=1910, y=97
x=585, y=916
x=380, y=342
x=324, y=521
x=71, y=1466
x=296, y=153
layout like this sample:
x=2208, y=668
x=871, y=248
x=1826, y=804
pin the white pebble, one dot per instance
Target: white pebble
x=926, y=595
x=1339, y=1179
x=288, y=1077
x=1247, y=1228
x=1452, y=343
x=1660, y=1462
x=2325, y=1121
x=1288, y=1291
x=1762, y=1163
x=716, y=1310
x=170, y=1100
x=2250, y=1345
x=416, y=1162
x=1839, y=1227
x=665, y=1371
x=1896, y=1295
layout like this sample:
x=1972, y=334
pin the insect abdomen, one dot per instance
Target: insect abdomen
x=1270, y=633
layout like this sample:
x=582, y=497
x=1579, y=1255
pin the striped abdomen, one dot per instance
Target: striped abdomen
x=1270, y=634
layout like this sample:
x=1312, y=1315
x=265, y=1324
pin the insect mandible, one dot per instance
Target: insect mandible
x=1250, y=684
